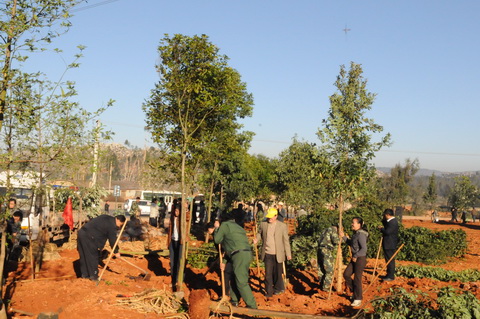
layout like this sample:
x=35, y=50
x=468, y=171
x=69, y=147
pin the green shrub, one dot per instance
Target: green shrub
x=200, y=258
x=402, y=304
x=315, y=223
x=450, y=303
x=457, y=305
x=304, y=242
x=436, y=273
x=304, y=249
x=430, y=247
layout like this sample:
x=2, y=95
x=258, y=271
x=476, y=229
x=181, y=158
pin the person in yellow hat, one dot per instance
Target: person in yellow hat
x=275, y=249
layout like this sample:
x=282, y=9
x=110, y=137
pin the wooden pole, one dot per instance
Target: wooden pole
x=161, y=252
x=30, y=249
x=376, y=259
x=388, y=262
x=135, y=266
x=217, y=307
x=285, y=280
x=49, y=278
x=339, y=248
x=222, y=274
x=111, y=253
x=3, y=251
x=256, y=247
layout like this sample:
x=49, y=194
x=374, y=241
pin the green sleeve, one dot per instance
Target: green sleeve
x=219, y=234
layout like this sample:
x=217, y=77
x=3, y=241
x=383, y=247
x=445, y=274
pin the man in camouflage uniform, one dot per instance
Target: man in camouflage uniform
x=135, y=210
x=327, y=247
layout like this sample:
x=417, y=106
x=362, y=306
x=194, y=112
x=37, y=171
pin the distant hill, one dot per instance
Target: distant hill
x=429, y=172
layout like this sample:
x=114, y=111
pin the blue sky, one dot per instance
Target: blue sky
x=420, y=57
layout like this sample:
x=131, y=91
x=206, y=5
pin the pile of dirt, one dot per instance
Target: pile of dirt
x=199, y=302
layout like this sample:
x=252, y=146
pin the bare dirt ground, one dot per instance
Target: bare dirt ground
x=73, y=298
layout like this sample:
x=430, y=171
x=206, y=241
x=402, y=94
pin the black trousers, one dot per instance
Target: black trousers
x=273, y=275
x=355, y=269
x=153, y=221
x=175, y=248
x=388, y=253
x=88, y=252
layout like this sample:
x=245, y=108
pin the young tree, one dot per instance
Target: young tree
x=396, y=188
x=464, y=193
x=221, y=163
x=27, y=26
x=197, y=90
x=297, y=175
x=431, y=195
x=347, y=142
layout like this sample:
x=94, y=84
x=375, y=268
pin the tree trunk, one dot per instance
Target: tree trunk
x=3, y=312
x=339, y=248
x=183, y=226
x=212, y=184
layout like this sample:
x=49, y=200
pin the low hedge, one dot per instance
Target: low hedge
x=450, y=303
x=436, y=273
x=430, y=247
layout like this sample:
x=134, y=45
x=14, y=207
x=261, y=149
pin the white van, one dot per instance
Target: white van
x=144, y=206
x=34, y=224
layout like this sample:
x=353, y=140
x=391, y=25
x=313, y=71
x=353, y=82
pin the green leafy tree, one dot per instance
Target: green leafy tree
x=396, y=186
x=348, y=143
x=197, y=90
x=27, y=26
x=464, y=193
x=298, y=178
x=431, y=195
x=226, y=170
x=38, y=121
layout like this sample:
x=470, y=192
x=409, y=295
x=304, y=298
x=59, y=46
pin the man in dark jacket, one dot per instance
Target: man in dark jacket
x=91, y=239
x=14, y=229
x=390, y=241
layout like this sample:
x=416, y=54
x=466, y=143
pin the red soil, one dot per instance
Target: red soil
x=75, y=298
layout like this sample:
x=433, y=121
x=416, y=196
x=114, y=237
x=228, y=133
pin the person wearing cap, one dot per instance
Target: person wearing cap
x=234, y=241
x=275, y=249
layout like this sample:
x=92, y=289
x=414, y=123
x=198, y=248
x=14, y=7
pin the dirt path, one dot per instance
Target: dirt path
x=80, y=298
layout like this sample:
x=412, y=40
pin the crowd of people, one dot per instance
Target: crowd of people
x=275, y=250
x=272, y=239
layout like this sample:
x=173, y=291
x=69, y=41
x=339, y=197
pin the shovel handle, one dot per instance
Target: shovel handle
x=111, y=253
x=133, y=265
x=221, y=271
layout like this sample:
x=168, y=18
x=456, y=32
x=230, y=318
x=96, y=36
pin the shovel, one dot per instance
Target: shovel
x=284, y=275
x=145, y=274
